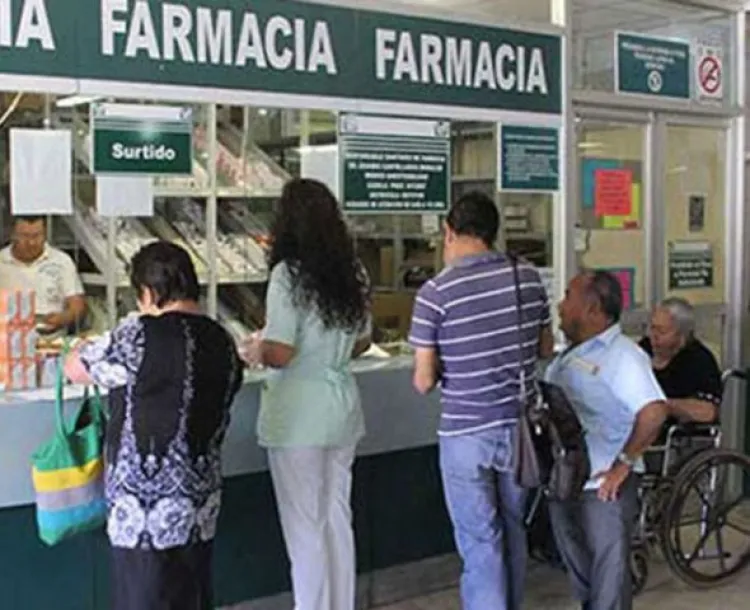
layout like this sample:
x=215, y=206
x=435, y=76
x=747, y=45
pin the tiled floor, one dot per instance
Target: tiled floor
x=547, y=590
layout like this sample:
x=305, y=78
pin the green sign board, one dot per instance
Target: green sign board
x=529, y=158
x=691, y=265
x=134, y=139
x=289, y=47
x=394, y=164
x=652, y=66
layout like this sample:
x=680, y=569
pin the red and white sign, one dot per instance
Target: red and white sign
x=709, y=77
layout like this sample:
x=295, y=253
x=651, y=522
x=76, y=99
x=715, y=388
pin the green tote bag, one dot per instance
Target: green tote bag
x=68, y=470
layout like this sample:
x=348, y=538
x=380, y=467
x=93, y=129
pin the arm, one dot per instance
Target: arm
x=693, y=410
x=704, y=401
x=423, y=337
x=75, y=300
x=280, y=336
x=636, y=387
x=546, y=337
x=546, y=342
x=108, y=361
x=425, y=370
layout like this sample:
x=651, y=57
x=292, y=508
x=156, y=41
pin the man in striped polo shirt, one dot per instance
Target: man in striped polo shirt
x=465, y=333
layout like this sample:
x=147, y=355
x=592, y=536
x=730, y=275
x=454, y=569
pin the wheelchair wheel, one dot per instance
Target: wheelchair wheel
x=706, y=528
x=638, y=570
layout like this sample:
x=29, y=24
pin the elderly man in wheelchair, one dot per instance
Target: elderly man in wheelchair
x=684, y=508
x=691, y=380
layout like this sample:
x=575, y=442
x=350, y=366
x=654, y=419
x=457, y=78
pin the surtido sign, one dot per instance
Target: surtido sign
x=283, y=47
x=134, y=139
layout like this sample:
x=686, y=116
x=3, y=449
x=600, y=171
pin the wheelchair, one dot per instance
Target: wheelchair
x=692, y=509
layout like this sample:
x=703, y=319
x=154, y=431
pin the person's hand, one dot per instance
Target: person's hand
x=53, y=322
x=611, y=481
x=250, y=350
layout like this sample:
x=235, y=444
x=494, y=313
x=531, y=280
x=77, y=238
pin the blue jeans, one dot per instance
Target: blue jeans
x=487, y=509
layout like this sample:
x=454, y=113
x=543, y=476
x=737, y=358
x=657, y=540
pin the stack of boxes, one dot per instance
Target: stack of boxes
x=18, y=338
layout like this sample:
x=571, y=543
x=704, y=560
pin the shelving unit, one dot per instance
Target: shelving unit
x=233, y=254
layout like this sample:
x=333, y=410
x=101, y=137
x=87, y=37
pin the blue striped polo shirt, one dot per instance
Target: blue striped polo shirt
x=468, y=314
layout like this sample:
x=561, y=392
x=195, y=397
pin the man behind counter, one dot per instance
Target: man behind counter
x=30, y=262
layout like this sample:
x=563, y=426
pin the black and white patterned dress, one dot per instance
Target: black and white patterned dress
x=172, y=380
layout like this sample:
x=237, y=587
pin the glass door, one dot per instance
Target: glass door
x=611, y=227
x=693, y=213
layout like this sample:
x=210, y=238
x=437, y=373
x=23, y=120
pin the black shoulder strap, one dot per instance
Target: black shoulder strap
x=519, y=322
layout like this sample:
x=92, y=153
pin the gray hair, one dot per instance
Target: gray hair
x=682, y=313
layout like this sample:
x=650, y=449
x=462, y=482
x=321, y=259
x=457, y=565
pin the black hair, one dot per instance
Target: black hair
x=32, y=218
x=475, y=215
x=166, y=269
x=310, y=235
x=605, y=289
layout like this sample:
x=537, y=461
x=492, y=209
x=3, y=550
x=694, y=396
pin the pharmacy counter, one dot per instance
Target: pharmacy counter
x=400, y=517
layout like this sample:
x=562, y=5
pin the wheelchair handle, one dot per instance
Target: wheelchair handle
x=734, y=373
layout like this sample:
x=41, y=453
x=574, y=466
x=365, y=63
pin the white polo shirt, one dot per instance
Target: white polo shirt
x=53, y=276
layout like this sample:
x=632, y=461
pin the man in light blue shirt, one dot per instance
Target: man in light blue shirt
x=610, y=384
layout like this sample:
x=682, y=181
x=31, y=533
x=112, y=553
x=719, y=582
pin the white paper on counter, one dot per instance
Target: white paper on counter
x=41, y=176
x=124, y=196
x=321, y=163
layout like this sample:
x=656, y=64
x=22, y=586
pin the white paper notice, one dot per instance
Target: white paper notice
x=41, y=172
x=124, y=196
x=321, y=163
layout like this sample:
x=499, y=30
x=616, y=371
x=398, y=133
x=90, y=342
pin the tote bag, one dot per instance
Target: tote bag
x=68, y=471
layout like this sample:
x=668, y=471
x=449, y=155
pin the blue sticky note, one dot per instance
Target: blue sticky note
x=588, y=177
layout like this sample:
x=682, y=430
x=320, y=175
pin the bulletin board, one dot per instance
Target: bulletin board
x=611, y=194
x=626, y=277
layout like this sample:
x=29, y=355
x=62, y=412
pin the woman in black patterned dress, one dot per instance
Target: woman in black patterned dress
x=172, y=374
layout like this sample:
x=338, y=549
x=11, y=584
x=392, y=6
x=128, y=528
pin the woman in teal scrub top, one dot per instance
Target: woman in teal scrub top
x=317, y=321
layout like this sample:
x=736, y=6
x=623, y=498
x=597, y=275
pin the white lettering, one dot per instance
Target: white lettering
x=299, y=45
x=144, y=152
x=250, y=45
x=6, y=29
x=406, y=62
x=142, y=34
x=34, y=25
x=537, y=79
x=321, y=50
x=484, y=74
x=278, y=26
x=431, y=53
x=506, y=79
x=384, y=52
x=110, y=25
x=458, y=70
x=520, y=68
x=177, y=23
x=214, y=39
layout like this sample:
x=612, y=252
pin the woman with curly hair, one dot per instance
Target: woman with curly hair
x=317, y=321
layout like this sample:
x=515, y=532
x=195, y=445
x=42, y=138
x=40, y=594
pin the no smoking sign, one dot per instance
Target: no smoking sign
x=710, y=73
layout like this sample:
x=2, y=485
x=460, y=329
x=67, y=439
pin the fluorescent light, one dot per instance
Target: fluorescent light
x=76, y=100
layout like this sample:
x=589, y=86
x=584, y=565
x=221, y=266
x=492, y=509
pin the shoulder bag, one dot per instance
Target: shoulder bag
x=550, y=449
x=68, y=470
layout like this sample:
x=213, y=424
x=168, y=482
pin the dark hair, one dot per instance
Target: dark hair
x=605, y=289
x=166, y=269
x=29, y=219
x=475, y=215
x=309, y=234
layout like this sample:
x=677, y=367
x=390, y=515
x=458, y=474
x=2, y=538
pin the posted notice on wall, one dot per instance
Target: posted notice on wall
x=124, y=196
x=392, y=165
x=41, y=174
x=529, y=158
x=691, y=265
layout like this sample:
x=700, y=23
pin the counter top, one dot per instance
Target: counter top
x=396, y=418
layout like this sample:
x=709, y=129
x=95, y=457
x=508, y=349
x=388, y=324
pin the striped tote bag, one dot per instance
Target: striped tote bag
x=68, y=471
